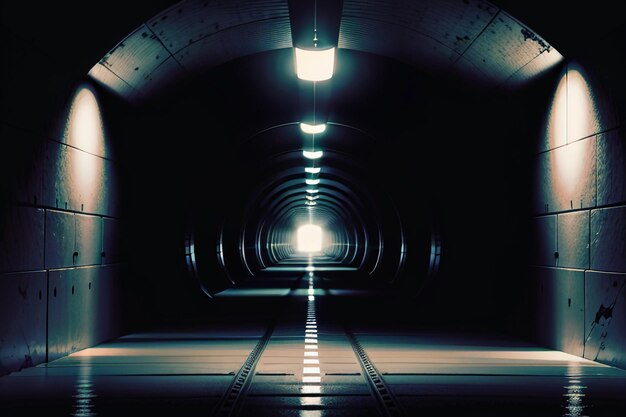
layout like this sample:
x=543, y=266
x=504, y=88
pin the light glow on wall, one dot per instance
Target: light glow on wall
x=85, y=134
x=572, y=119
x=570, y=167
x=582, y=113
x=85, y=129
x=573, y=113
x=556, y=123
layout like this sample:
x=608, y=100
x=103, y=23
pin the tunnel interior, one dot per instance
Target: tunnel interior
x=179, y=183
x=394, y=193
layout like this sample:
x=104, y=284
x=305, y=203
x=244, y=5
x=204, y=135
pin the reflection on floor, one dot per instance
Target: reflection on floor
x=309, y=368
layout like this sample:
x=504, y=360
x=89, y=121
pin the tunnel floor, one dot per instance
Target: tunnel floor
x=300, y=346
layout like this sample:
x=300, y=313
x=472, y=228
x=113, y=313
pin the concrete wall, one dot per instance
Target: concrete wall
x=578, y=249
x=60, y=257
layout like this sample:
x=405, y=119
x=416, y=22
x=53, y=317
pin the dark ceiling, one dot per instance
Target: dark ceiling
x=61, y=28
x=467, y=40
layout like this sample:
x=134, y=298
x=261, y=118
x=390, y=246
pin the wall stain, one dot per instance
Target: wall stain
x=530, y=35
x=23, y=291
x=28, y=362
x=606, y=312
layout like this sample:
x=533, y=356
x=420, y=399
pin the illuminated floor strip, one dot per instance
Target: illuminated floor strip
x=311, y=374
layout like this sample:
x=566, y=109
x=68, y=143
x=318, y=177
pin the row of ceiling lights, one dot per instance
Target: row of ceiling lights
x=313, y=65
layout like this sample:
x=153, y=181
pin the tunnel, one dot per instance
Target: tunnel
x=313, y=208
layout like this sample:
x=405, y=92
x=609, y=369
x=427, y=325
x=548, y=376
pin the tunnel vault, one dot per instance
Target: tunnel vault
x=455, y=138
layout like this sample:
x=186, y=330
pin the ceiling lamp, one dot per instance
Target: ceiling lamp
x=312, y=182
x=313, y=129
x=312, y=170
x=316, y=64
x=312, y=154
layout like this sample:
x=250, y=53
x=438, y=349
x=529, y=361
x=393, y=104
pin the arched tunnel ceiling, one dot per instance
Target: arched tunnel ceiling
x=473, y=41
x=189, y=37
x=468, y=39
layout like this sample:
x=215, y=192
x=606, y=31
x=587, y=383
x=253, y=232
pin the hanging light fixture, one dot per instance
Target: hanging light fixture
x=312, y=154
x=315, y=64
x=313, y=129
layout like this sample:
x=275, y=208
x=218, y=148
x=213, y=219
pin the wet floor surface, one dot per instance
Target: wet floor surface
x=301, y=358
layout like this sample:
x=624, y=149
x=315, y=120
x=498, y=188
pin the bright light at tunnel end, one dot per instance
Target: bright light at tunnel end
x=309, y=238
